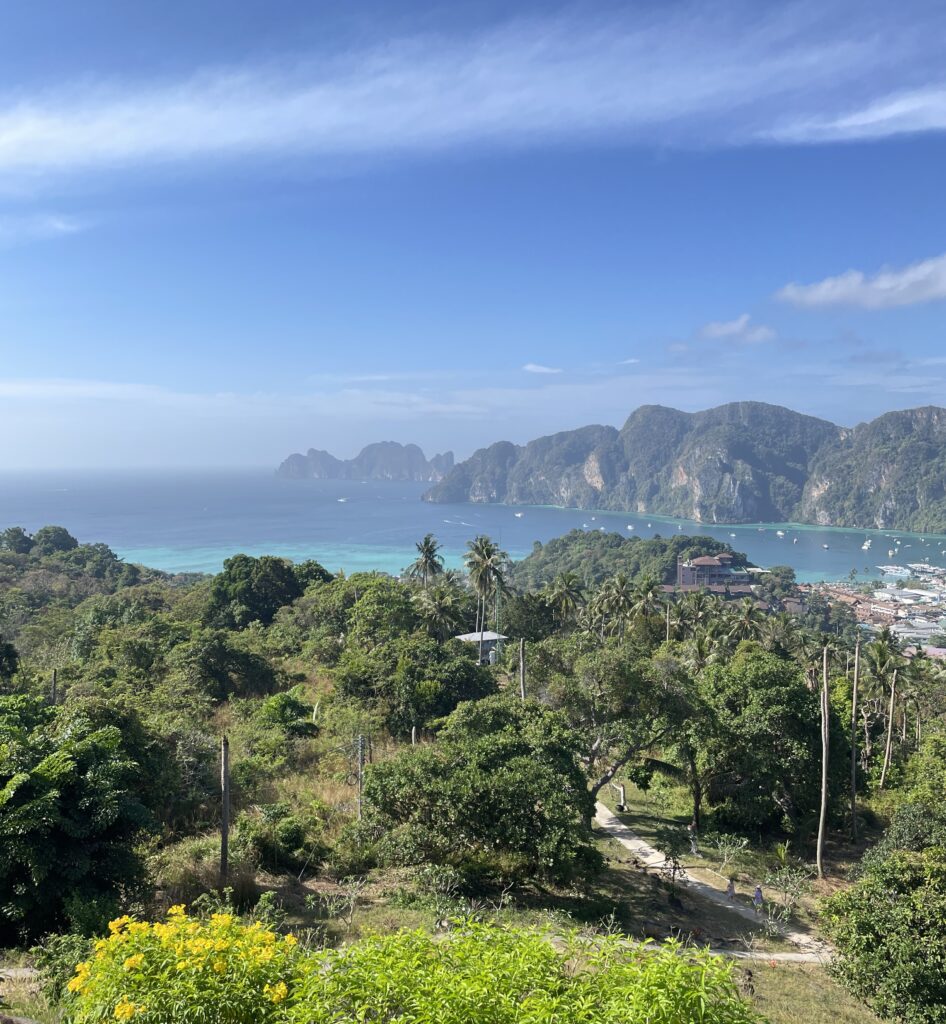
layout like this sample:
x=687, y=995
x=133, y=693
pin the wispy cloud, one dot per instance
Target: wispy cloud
x=741, y=330
x=19, y=229
x=679, y=74
x=539, y=368
x=920, y=282
x=633, y=361
x=902, y=113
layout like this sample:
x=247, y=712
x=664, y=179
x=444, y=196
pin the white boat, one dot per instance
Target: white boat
x=866, y=545
x=890, y=553
x=732, y=535
x=629, y=526
x=779, y=533
x=518, y=515
x=648, y=526
x=343, y=500
x=825, y=546
x=794, y=540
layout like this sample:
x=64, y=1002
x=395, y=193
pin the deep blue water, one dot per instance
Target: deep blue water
x=192, y=521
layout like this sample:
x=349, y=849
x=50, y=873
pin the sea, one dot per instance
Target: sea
x=191, y=521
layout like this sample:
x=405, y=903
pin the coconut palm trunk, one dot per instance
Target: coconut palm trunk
x=889, y=745
x=822, y=817
x=857, y=667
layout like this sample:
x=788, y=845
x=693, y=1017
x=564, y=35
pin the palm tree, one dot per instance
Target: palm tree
x=566, y=595
x=439, y=609
x=748, y=620
x=429, y=563
x=618, y=600
x=486, y=566
x=646, y=598
x=779, y=633
x=694, y=610
x=883, y=656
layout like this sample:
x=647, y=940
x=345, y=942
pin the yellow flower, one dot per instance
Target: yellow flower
x=134, y=962
x=290, y=940
x=126, y=1009
x=224, y=920
x=77, y=984
x=138, y=927
x=182, y=965
x=276, y=993
x=177, y=910
x=220, y=966
x=116, y=926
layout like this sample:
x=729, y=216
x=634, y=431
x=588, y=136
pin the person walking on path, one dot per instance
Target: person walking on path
x=691, y=831
x=731, y=890
x=757, y=899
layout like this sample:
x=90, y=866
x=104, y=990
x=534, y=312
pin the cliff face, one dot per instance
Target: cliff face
x=742, y=462
x=888, y=474
x=386, y=460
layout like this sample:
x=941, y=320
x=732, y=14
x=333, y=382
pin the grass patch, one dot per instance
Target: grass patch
x=803, y=994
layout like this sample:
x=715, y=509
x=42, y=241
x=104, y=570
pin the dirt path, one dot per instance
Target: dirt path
x=812, y=950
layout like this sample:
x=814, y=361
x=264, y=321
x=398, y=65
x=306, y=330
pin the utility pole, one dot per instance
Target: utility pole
x=857, y=667
x=522, y=669
x=824, y=764
x=224, y=810
x=361, y=771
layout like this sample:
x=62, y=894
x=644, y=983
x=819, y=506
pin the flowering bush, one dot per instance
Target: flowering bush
x=184, y=970
x=484, y=973
x=187, y=971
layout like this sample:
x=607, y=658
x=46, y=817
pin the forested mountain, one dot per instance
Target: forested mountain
x=385, y=460
x=742, y=462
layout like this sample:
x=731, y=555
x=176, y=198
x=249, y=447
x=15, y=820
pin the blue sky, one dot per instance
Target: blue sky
x=233, y=230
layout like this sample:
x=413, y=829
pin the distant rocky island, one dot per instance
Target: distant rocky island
x=386, y=460
x=738, y=463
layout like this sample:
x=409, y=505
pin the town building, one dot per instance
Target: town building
x=710, y=571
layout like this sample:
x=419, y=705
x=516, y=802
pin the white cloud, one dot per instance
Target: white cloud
x=629, y=362
x=690, y=73
x=902, y=113
x=15, y=230
x=919, y=282
x=740, y=329
x=539, y=368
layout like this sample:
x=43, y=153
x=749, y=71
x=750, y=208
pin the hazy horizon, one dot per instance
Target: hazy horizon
x=340, y=452
x=240, y=230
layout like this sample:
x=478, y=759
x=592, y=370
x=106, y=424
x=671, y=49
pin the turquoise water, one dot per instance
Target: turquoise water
x=193, y=521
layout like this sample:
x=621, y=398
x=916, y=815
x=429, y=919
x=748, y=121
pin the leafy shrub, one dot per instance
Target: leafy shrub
x=55, y=958
x=354, y=852
x=276, y=839
x=186, y=970
x=888, y=930
x=504, y=783
x=485, y=973
x=191, y=867
x=70, y=817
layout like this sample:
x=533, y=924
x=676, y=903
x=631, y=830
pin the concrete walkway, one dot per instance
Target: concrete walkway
x=813, y=950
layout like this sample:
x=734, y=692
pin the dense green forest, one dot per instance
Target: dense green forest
x=381, y=769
